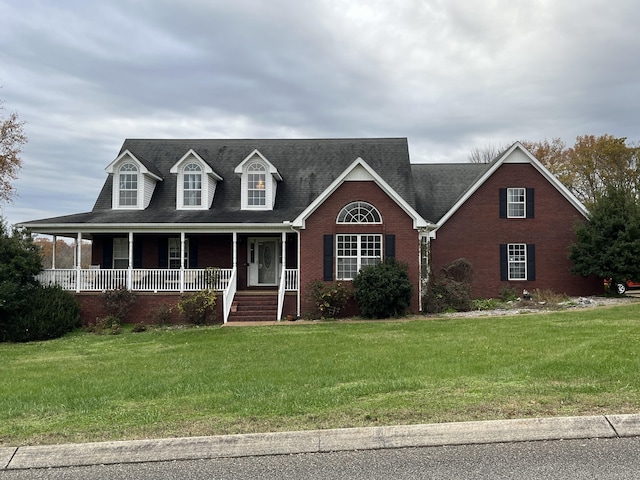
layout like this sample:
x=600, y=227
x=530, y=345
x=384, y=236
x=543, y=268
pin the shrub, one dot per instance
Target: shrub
x=199, y=308
x=508, y=294
x=450, y=290
x=50, y=313
x=383, y=290
x=118, y=303
x=444, y=294
x=328, y=298
x=161, y=315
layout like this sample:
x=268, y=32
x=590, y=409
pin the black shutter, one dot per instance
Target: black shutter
x=530, y=203
x=328, y=257
x=107, y=252
x=389, y=246
x=504, y=265
x=503, y=203
x=163, y=253
x=137, y=254
x=193, y=252
x=531, y=262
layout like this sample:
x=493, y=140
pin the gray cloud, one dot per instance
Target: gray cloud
x=450, y=76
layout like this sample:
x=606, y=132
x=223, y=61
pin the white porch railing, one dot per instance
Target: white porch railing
x=143, y=280
x=288, y=281
x=228, y=293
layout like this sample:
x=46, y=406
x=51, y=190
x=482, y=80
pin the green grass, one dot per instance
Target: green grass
x=204, y=381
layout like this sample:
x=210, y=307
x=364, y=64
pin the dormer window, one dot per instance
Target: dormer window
x=259, y=181
x=196, y=182
x=192, y=185
x=134, y=181
x=128, y=185
x=256, y=185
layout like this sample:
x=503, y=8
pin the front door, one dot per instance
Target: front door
x=264, y=261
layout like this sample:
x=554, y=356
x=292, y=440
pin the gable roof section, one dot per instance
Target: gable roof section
x=517, y=153
x=439, y=185
x=308, y=167
x=360, y=170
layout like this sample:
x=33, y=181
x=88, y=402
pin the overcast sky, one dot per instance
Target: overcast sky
x=450, y=75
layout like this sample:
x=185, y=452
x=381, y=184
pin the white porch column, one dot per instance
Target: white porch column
x=130, y=267
x=284, y=251
x=182, y=242
x=53, y=253
x=78, y=260
x=235, y=250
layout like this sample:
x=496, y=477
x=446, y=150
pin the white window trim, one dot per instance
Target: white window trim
x=272, y=177
x=514, y=251
x=177, y=248
x=357, y=217
x=209, y=181
x=359, y=256
x=510, y=202
x=120, y=190
x=120, y=252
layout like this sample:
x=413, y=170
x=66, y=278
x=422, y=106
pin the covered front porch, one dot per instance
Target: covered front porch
x=186, y=261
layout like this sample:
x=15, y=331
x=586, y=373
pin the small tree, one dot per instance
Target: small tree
x=383, y=290
x=19, y=264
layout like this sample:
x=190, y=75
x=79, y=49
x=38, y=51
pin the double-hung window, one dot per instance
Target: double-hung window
x=517, y=261
x=256, y=186
x=192, y=185
x=174, y=253
x=128, y=185
x=120, y=252
x=354, y=251
x=516, y=203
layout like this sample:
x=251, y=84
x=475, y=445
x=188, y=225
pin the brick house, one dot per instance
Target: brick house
x=259, y=220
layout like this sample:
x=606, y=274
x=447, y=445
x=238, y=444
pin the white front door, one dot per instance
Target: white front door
x=264, y=261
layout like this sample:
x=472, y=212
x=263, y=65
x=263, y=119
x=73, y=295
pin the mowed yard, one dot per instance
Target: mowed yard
x=224, y=380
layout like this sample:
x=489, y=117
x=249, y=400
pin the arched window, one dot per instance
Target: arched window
x=192, y=185
x=256, y=187
x=128, y=185
x=359, y=212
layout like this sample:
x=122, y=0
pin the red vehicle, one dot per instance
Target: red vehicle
x=628, y=285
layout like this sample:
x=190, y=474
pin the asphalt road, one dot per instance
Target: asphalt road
x=613, y=458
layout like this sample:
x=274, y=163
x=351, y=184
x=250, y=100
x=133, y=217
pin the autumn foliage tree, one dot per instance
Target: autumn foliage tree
x=12, y=138
x=593, y=166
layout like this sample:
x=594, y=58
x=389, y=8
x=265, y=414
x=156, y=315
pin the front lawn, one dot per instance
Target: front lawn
x=221, y=380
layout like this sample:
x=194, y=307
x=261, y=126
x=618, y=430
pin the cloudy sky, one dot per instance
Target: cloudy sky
x=450, y=75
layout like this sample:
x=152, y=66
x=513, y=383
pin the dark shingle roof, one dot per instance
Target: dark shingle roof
x=307, y=167
x=438, y=186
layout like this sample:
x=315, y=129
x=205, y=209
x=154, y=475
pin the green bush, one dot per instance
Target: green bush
x=383, y=290
x=50, y=312
x=328, y=298
x=199, y=308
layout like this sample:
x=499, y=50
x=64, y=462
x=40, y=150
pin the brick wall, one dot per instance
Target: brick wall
x=323, y=222
x=475, y=232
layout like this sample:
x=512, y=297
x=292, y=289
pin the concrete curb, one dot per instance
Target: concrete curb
x=281, y=443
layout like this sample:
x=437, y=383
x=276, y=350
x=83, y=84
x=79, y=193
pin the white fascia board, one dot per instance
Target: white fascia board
x=270, y=166
x=551, y=178
x=192, y=153
x=66, y=228
x=418, y=221
x=144, y=170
